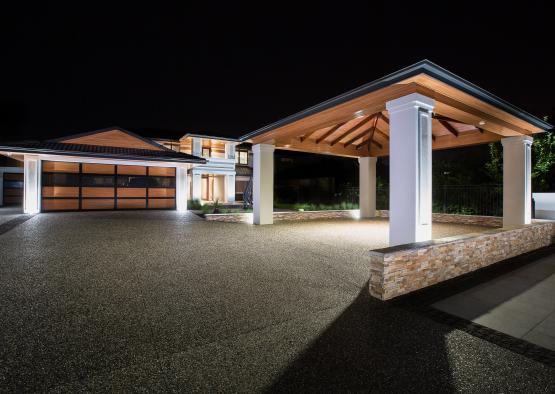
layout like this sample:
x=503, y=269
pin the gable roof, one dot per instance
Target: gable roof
x=423, y=67
x=88, y=138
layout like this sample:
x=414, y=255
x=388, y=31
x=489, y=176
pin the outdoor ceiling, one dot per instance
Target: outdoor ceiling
x=359, y=126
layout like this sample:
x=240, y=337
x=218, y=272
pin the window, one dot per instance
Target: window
x=160, y=181
x=131, y=181
x=97, y=180
x=205, y=152
x=59, y=179
x=242, y=157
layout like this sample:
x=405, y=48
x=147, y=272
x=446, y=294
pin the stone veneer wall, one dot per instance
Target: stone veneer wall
x=488, y=221
x=402, y=269
x=294, y=215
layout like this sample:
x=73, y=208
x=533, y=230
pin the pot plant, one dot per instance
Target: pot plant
x=216, y=206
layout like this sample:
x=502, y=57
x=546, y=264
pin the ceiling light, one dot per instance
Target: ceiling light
x=482, y=122
x=359, y=114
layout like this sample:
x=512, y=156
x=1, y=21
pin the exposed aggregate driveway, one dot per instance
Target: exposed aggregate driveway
x=164, y=301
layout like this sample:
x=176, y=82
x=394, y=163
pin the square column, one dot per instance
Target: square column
x=230, y=151
x=31, y=184
x=410, y=161
x=517, y=185
x=196, y=193
x=230, y=188
x=263, y=184
x=367, y=186
x=181, y=184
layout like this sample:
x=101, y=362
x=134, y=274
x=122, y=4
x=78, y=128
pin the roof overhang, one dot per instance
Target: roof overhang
x=470, y=114
x=17, y=152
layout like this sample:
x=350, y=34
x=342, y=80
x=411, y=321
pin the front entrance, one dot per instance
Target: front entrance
x=213, y=188
x=83, y=186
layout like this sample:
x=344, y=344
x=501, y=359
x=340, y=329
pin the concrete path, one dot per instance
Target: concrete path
x=163, y=301
x=520, y=303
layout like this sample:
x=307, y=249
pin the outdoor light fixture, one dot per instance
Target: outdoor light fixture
x=286, y=145
x=359, y=114
x=482, y=122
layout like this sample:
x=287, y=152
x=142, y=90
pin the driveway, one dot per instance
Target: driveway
x=118, y=301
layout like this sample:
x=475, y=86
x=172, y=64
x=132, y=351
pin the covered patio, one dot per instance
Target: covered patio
x=405, y=116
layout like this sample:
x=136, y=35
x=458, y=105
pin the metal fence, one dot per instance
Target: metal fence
x=461, y=199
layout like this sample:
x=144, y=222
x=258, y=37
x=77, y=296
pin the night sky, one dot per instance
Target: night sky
x=165, y=71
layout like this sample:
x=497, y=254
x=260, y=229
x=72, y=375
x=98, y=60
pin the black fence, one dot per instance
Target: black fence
x=460, y=199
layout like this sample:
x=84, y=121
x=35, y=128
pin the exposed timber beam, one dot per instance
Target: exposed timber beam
x=307, y=135
x=352, y=129
x=329, y=132
x=356, y=137
x=449, y=127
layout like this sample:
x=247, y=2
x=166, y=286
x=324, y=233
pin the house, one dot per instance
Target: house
x=226, y=173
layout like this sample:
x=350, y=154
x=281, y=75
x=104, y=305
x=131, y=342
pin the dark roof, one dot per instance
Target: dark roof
x=422, y=67
x=60, y=148
x=243, y=171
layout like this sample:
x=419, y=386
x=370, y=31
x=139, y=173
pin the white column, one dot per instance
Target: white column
x=230, y=188
x=181, y=184
x=197, y=185
x=197, y=147
x=230, y=151
x=263, y=184
x=410, y=163
x=31, y=185
x=367, y=186
x=517, y=185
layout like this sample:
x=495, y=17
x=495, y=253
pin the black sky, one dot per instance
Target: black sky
x=170, y=70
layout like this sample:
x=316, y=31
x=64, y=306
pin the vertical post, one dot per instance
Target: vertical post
x=230, y=150
x=196, y=185
x=230, y=188
x=181, y=189
x=197, y=146
x=263, y=184
x=410, y=155
x=517, y=185
x=367, y=186
x=31, y=184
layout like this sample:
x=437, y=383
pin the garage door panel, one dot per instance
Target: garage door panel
x=68, y=204
x=99, y=168
x=60, y=166
x=132, y=170
x=131, y=192
x=98, y=203
x=132, y=203
x=97, y=192
x=158, y=203
x=60, y=191
x=161, y=192
x=161, y=171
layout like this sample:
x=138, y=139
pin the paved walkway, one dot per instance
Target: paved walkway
x=162, y=301
x=520, y=303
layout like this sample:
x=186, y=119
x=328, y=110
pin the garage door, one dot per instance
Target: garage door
x=13, y=189
x=83, y=186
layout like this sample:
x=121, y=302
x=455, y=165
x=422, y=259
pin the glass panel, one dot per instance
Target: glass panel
x=243, y=157
x=97, y=180
x=131, y=181
x=158, y=181
x=58, y=179
x=205, y=152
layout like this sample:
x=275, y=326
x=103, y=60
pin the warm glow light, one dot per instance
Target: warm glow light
x=286, y=145
x=482, y=122
x=355, y=213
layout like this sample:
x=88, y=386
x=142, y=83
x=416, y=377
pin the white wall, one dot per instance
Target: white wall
x=545, y=205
